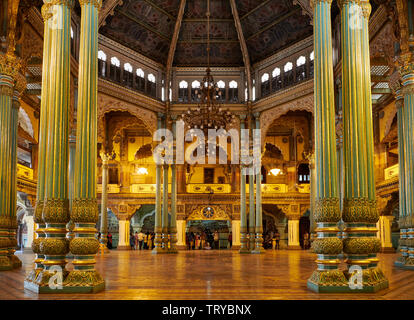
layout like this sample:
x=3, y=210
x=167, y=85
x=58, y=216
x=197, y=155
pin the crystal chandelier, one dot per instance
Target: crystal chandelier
x=208, y=114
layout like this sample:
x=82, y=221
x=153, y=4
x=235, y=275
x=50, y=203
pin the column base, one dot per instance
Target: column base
x=34, y=287
x=235, y=247
x=181, y=247
x=15, y=262
x=387, y=250
x=329, y=281
x=295, y=247
x=32, y=276
x=79, y=281
x=405, y=263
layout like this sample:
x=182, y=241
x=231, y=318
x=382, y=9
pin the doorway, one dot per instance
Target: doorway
x=208, y=227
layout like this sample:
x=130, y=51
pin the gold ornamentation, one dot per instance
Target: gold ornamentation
x=10, y=65
x=84, y=211
x=56, y=211
x=331, y=246
x=362, y=245
x=4, y=222
x=79, y=278
x=36, y=245
x=96, y=3
x=54, y=246
x=84, y=246
x=329, y=278
x=360, y=210
x=38, y=212
x=327, y=210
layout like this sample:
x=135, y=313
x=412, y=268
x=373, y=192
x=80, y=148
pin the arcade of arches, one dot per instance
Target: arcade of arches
x=80, y=104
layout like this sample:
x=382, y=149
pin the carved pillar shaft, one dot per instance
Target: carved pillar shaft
x=158, y=216
x=243, y=217
x=84, y=205
x=173, y=224
x=326, y=213
x=359, y=208
x=56, y=206
x=43, y=131
x=259, y=225
x=104, y=200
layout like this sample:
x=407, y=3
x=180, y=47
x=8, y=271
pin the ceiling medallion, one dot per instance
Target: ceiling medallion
x=208, y=114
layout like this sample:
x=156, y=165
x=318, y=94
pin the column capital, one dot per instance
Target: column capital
x=341, y=3
x=96, y=3
x=10, y=68
x=68, y=3
x=366, y=8
x=313, y=2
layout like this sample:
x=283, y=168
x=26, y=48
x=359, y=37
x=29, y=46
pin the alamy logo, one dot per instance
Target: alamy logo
x=55, y=281
x=355, y=281
x=241, y=150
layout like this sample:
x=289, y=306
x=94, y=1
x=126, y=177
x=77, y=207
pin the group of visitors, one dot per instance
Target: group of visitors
x=109, y=239
x=142, y=241
x=204, y=240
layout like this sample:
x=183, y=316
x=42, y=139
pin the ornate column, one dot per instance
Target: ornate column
x=173, y=225
x=384, y=226
x=158, y=216
x=359, y=208
x=7, y=64
x=123, y=235
x=165, y=207
x=43, y=132
x=326, y=213
x=259, y=224
x=235, y=230
x=104, y=199
x=407, y=74
x=84, y=277
x=399, y=103
x=243, y=216
x=181, y=225
x=55, y=246
x=15, y=262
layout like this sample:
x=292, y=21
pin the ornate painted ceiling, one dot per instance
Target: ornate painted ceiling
x=147, y=27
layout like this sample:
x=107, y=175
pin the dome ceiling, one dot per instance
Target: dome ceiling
x=147, y=26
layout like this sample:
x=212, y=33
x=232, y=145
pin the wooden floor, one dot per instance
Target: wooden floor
x=208, y=275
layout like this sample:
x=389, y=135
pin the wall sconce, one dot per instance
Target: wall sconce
x=142, y=171
x=275, y=171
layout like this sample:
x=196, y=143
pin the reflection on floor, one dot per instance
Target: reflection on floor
x=208, y=275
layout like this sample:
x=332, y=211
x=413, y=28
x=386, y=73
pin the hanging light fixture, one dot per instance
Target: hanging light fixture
x=208, y=114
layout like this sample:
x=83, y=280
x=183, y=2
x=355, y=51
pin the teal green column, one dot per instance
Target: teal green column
x=55, y=246
x=243, y=208
x=252, y=219
x=6, y=93
x=326, y=212
x=173, y=224
x=84, y=214
x=158, y=216
x=359, y=208
x=14, y=260
x=407, y=73
x=259, y=224
x=43, y=132
x=399, y=103
x=165, y=207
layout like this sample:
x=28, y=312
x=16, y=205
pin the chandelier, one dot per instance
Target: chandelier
x=208, y=114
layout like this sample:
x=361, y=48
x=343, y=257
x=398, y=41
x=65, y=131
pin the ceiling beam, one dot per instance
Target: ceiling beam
x=160, y=9
x=107, y=9
x=198, y=41
x=306, y=7
x=205, y=20
x=143, y=24
x=243, y=48
x=255, y=9
x=277, y=21
x=173, y=46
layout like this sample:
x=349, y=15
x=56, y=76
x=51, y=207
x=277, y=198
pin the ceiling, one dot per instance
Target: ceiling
x=147, y=26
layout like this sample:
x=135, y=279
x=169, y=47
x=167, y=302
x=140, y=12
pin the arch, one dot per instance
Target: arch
x=128, y=67
x=101, y=55
x=221, y=84
x=115, y=61
x=195, y=84
x=269, y=116
x=265, y=77
x=300, y=61
x=219, y=213
x=288, y=66
x=233, y=84
x=276, y=72
x=140, y=73
x=107, y=104
x=183, y=84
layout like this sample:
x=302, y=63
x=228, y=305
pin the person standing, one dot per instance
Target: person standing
x=136, y=240
x=277, y=236
x=140, y=239
x=230, y=240
x=150, y=241
x=216, y=240
x=132, y=241
x=109, y=243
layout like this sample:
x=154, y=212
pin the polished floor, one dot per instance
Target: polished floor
x=221, y=275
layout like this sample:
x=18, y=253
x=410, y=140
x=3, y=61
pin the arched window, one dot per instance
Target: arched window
x=72, y=42
x=101, y=63
x=140, y=80
x=195, y=86
x=151, y=78
x=151, y=86
x=140, y=73
x=300, y=69
x=183, y=91
x=276, y=79
x=303, y=173
x=288, y=75
x=115, y=61
x=265, y=86
x=311, y=63
x=71, y=33
x=128, y=75
x=221, y=94
x=233, y=91
x=115, y=69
